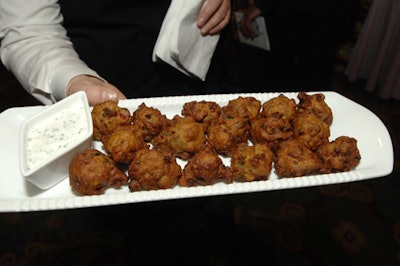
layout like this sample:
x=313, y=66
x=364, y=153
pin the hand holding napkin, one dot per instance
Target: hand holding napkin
x=180, y=42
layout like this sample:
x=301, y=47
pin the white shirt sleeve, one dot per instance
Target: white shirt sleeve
x=36, y=49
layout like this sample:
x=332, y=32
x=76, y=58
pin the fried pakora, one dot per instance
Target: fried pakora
x=202, y=111
x=91, y=172
x=205, y=168
x=153, y=169
x=270, y=130
x=316, y=105
x=280, y=107
x=106, y=116
x=252, y=163
x=340, y=155
x=123, y=142
x=245, y=107
x=150, y=120
x=225, y=133
x=311, y=130
x=293, y=138
x=184, y=137
x=293, y=159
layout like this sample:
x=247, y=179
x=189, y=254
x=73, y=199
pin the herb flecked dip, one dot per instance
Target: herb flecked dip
x=54, y=134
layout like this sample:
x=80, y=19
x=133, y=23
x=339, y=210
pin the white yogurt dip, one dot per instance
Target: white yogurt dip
x=54, y=134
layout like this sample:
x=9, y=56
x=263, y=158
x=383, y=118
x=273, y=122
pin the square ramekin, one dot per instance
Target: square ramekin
x=45, y=134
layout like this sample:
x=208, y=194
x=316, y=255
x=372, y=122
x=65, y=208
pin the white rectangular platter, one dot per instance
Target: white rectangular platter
x=350, y=119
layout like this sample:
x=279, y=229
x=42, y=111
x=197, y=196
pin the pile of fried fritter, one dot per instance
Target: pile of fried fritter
x=141, y=148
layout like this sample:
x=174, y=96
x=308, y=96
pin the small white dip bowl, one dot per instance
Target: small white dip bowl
x=51, y=138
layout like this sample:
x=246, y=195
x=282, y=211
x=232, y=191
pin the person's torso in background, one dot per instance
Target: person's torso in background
x=116, y=38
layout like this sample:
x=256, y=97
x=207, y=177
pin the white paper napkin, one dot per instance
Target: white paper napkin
x=180, y=42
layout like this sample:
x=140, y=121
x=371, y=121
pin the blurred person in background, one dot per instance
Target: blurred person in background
x=304, y=38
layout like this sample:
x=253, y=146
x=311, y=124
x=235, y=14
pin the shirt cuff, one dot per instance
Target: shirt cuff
x=64, y=74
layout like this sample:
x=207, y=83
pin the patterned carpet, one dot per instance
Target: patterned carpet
x=346, y=224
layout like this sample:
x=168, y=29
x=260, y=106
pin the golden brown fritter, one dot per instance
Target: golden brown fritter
x=252, y=163
x=280, y=107
x=270, y=130
x=106, y=116
x=311, y=130
x=225, y=133
x=150, y=120
x=245, y=107
x=184, y=137
x=91, y=172
x=123, y=142
x=316, y=105
x=340, y=155
x=205, y=168
x=293, y=159
x=153, y=169
x=202, y=111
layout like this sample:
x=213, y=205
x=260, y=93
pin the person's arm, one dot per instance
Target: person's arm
x=36, y=49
